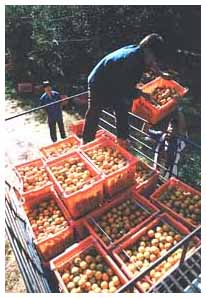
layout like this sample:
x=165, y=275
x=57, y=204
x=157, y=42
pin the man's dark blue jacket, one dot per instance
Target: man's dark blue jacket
x=54, y=111
x=117, y=73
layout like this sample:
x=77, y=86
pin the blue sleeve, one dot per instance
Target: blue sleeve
x=155, y=134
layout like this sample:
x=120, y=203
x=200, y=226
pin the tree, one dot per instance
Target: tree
x=85, y=33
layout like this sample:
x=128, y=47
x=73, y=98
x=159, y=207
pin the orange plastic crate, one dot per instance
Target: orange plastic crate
x=141, y=203
x=52, y=245
x=151, y=179
x=58, y=264
x=162, y=218
x=77, y=127
x=36, y=190
x=104, y=133
x=120, y=179
x=81, y=231
x=60, y=148
x=84, y=200
x=149, y=112
x=163, y=188
x=25, y=87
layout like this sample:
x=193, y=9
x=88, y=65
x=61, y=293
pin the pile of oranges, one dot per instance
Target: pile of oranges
x=72, y=174
x=107, y=159
x=46, y=219
x=89, y=273
x=33, y=177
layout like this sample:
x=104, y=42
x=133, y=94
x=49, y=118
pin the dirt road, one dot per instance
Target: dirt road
x=24, y=136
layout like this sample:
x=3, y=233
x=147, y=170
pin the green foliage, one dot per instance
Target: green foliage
x=85, y=33
x=189, y=168
x=10, y=90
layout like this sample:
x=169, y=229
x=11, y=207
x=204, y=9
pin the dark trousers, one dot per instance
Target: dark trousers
x=53, y=131
x=95, y=107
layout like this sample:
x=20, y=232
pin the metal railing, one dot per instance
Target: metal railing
x=186, y=278
x=140, y=146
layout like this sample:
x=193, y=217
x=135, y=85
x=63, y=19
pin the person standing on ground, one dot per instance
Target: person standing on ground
x=54, y=111
x=112, y=83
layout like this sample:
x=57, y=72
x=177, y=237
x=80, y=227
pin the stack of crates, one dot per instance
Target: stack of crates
x=108, y=215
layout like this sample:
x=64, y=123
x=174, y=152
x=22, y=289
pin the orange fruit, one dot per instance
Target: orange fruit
x=88, y=286
x=140, y=256
x=169, y=239
x=98, y=275
x=168, y=246
x=152, y=273
x=65, y=277
x=152, y=258
x=146, y=255
x=151, y=233
x=132, y=268
x=104, y=285
x=105, y=277
x=141, y=249
x=145, y=286
x=94, y=286
x=83, y=265
x=157, y=275
x=112, y=290
x=154, y=250
x=159, y=229
x=82, y=282
x=97, y=290
x=70, y=285
x=116, y=281
x=167, y=266
x=89, y=273
x=158, y=235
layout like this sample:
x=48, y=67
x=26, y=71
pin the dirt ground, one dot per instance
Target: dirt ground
x=25, y=135
x=13, y=280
